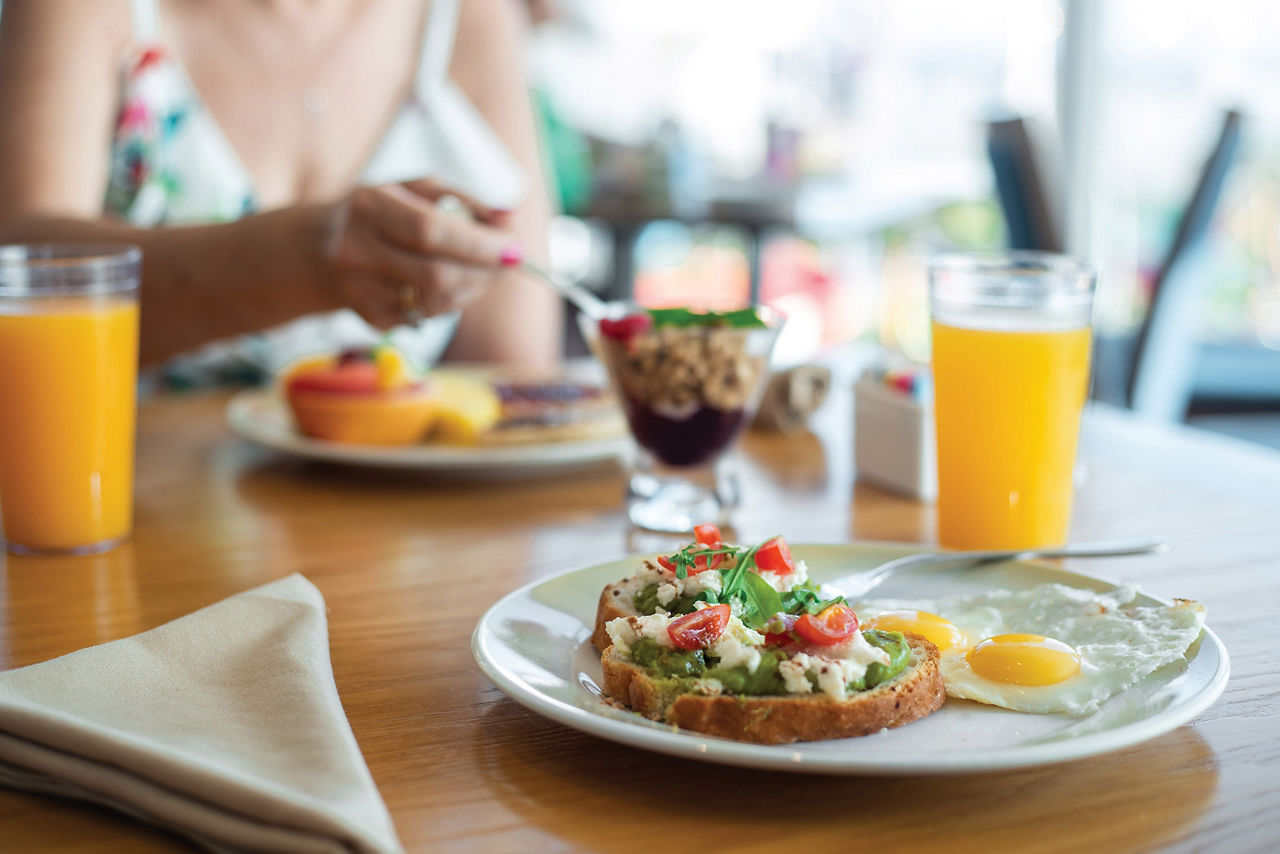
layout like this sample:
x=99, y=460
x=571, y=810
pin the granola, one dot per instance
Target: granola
x=681, y=367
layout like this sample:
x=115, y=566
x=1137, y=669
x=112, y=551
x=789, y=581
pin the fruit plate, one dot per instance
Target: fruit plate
x=261, y=417
x=534, y=644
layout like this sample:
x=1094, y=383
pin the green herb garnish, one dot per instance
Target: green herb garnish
x=686, y=558
x=742, y=318
x=733, y=578
x=755, y=601
x=807, y=597
x=762, y=601
x=738, y=587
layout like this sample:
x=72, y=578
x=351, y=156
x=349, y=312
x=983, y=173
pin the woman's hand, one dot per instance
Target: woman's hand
x=398, y=252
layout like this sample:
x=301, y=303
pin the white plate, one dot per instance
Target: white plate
x=261, y=417
x=535, y=645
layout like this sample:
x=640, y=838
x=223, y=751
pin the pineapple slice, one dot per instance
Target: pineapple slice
x=394, y=370
x=465, y=407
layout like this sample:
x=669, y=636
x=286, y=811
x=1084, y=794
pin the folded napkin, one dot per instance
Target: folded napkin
x=224, y=725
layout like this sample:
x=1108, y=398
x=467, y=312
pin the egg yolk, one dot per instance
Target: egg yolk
x=941, y=633
x=1024, y=660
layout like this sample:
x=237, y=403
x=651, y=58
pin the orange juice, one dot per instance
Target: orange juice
x=68, y=377
x=1008, y=407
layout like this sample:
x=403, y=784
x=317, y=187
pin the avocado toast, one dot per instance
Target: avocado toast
x=737, y=643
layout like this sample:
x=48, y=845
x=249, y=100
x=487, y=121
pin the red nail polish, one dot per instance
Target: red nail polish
x=511, y=256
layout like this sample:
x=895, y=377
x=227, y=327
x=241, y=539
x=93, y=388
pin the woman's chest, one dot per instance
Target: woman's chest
x=302, y=112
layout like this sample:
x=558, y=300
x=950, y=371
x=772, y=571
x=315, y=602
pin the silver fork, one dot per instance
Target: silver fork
x=856, y=585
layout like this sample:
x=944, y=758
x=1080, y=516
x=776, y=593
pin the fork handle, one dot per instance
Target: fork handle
x=1114, y=548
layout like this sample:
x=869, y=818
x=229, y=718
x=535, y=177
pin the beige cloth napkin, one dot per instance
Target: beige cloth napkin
x=224, y=725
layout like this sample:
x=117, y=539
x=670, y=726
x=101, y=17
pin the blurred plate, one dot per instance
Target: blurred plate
x=535, y=645
x=261, y=417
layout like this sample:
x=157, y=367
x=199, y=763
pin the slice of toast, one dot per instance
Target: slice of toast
x=778, y=719
x=616, y=600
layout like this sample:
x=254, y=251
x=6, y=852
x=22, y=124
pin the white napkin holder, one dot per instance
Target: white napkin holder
x=893, y=435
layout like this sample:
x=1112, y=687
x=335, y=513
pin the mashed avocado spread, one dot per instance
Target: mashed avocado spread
x=680, y=668
x=646, y=602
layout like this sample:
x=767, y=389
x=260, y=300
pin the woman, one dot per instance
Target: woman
x=274, y=114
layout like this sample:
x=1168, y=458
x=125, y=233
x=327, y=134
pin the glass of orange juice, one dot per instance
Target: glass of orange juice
x=1011, y=341
x=68, y=396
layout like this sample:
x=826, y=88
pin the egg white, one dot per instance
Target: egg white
x=1118, y=642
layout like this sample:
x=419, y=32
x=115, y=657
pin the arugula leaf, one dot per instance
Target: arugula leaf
x=687, y=557
x=761, y=601
x=742, y=318
x=807, y=597
x=733, y=578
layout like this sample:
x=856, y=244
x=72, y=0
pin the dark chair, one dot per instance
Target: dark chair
x=1021, y=187
x=1154, y=371
x=1162, y=371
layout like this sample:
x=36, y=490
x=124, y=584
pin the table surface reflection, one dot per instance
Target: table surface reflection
x=408, y=564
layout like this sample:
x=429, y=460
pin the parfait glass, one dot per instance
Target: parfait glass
x=687, y=392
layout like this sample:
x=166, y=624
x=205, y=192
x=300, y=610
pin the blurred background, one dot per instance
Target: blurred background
x=813, y=157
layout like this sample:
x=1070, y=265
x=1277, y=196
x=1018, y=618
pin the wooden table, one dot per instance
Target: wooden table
x=408, y=565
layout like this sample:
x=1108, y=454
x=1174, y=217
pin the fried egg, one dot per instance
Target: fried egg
x=1051, y=648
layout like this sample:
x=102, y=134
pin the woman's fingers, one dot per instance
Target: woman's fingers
x=449, y=287
x=399, y=254
x=391, y=282
x=409, y=220
x=436, y=192
x=368, y=294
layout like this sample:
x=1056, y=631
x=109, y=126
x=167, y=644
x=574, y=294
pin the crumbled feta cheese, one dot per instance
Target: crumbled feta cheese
x=784, y=583
x=668, y=591
x=709, y=687
x=625, y=631
x=710, y=580
x=733, y=652
x=738, y=645
x=653, y=573
x=833, y=666
x=832, y=677
x=801, y=573
x=793, y=671
x=856, y=648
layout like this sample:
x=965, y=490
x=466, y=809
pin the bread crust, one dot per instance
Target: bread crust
x=911, y=695
x=616, y=600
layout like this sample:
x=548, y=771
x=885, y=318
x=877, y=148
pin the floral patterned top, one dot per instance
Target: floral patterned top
x=170, y=163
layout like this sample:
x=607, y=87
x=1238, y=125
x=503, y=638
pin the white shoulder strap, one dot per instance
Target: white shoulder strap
x=437, y=44
x=146, y=20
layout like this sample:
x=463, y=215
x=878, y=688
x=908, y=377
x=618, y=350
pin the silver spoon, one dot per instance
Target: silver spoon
x=857, y=584
x=585, y=301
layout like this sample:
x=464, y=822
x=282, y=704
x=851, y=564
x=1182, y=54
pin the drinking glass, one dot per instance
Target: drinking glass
x=1011, y=341
x=687, y=392
x=69, y=351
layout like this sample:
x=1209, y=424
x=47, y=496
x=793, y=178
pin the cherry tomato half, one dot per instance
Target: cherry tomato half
x=834, y=624
x=699, y=629
x=707, y=535
x=775, y=556
x=701, y=563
